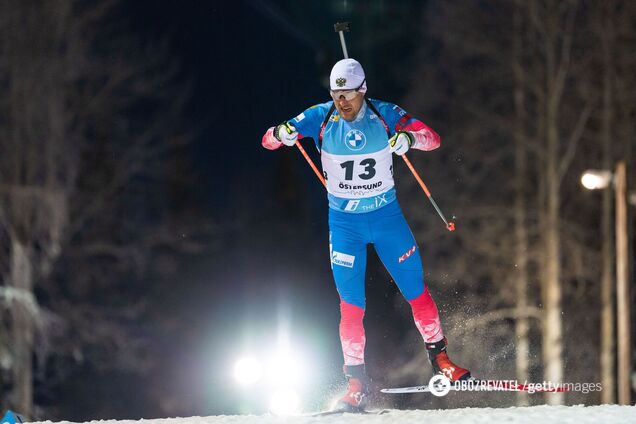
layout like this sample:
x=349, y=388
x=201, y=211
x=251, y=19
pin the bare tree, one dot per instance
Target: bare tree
x=522, y=324
x=604, y=27
x=71, y=90
x=37, y=169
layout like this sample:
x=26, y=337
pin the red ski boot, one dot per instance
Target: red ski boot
x=356, y=397
x=442, y=364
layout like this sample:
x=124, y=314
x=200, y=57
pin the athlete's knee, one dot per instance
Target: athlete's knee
x=411, y=283
x=352, y=295
x=349, y=278
x=422, y=301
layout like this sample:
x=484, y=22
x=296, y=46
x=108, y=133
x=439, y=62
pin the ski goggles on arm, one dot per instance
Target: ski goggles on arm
x=347, y=94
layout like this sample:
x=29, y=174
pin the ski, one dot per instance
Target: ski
x=474, y=385
x=343, y=411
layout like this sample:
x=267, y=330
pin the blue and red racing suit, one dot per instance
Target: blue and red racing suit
x=358, y=168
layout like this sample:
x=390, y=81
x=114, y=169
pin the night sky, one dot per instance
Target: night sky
x=249, y=71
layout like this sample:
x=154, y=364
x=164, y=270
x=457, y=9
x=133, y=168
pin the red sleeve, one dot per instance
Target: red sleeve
x=269, y=141
x=425, y=138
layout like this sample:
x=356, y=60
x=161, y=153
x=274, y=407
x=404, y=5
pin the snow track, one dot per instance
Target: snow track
x=531, y=415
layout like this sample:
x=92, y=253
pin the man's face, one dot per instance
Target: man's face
x=348, y=109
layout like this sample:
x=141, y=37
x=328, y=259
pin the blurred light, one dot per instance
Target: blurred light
x=284, y=368
x=247, y=371
x=285, y=402
x=594, y=179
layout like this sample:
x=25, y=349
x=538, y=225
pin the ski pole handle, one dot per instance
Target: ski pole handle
x=311, y=163
x=450, y=226
x=341, y=28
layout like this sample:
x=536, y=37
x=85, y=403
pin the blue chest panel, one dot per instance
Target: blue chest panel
x=364, y=135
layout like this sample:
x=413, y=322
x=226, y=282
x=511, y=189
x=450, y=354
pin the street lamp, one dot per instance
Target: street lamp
x=597, y=179
x=594, y=179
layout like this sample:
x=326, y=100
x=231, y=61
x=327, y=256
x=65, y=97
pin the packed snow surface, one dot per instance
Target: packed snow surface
x=613, y=414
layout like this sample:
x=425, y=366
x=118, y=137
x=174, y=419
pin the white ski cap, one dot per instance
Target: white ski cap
x=347, y=74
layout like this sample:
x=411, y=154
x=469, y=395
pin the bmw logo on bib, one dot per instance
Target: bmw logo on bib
x=355, y=140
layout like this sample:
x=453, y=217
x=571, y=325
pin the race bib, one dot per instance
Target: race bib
x=358, y=176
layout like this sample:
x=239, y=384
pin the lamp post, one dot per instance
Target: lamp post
x=592, y=180
x=623, y=330
x=601, y=179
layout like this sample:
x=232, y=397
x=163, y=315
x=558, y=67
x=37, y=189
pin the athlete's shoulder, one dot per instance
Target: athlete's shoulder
x=316, y=112
x=380, y=103
x=323, y=106
x=395, y=117
x=320, y=108
x=388, y=108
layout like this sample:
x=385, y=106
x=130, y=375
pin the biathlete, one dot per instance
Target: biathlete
x=356, y=137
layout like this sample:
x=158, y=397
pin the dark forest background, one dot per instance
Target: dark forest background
x=146, y=237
